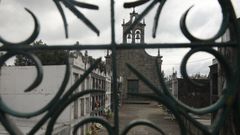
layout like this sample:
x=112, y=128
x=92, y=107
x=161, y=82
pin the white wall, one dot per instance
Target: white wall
x=13, y=81
x=108, y=92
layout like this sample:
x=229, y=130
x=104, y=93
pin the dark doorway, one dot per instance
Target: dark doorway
x=132, y=87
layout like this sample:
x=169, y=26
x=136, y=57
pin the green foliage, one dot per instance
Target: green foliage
x=101, y=66
x=199, y=76
x=47, y=57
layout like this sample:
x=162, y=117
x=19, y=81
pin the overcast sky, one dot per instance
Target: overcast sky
x=203, y=21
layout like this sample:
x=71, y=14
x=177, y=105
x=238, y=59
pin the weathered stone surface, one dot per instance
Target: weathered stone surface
x=138, y=58
x=143, y=62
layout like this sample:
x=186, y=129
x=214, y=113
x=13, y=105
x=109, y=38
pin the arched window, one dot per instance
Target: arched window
x=129, y=37
x=137, y=36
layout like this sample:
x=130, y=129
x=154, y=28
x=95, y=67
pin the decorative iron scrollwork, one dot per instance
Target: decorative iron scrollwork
x=31, y=38
x=70, y=4
x=64, y=97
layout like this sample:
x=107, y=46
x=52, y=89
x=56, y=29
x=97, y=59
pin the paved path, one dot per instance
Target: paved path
x=154, y=113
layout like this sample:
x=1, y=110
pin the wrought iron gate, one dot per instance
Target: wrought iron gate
x=229, y=102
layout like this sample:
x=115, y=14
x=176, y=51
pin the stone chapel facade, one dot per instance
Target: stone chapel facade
x=139, y=59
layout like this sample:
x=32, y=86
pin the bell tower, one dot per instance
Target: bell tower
x=136, y=34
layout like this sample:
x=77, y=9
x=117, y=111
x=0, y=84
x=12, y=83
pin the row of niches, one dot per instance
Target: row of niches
x=201, y=68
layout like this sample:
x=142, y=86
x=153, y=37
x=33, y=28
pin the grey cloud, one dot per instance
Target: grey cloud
x=12, y=31
x=192, y=68
x=168, y=23
x=52, y=30
x=201, y=67
x=51, y=22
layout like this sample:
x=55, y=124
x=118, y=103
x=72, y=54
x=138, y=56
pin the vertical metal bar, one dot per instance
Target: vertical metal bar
x=114, y=70
x=9, y=125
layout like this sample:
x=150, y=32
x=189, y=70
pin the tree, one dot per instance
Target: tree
x=101, y=66
x=164, y=76
x=198, y=76
x=47, y=57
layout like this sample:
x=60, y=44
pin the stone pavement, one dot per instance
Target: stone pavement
x=152, y=112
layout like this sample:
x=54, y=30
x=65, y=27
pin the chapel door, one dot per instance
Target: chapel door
x=132, y=87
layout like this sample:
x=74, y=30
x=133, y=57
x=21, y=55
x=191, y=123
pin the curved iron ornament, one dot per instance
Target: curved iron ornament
x=145, y=12
x=70, y=4
x=228, y=102
x=31, y=38
x=221, y=31
x=141, y=122
x=183, y=109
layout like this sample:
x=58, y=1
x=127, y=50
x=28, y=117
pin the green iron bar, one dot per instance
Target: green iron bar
x=114, y=69
x=118, y=46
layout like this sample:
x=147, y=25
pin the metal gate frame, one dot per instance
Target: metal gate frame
x=229, y=102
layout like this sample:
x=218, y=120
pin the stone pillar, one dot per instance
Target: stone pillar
x=108, y=62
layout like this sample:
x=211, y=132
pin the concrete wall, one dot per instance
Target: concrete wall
x=14, y=80
x=108, y=92
x=143, y=62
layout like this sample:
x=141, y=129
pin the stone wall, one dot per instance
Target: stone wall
x=143, y=62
